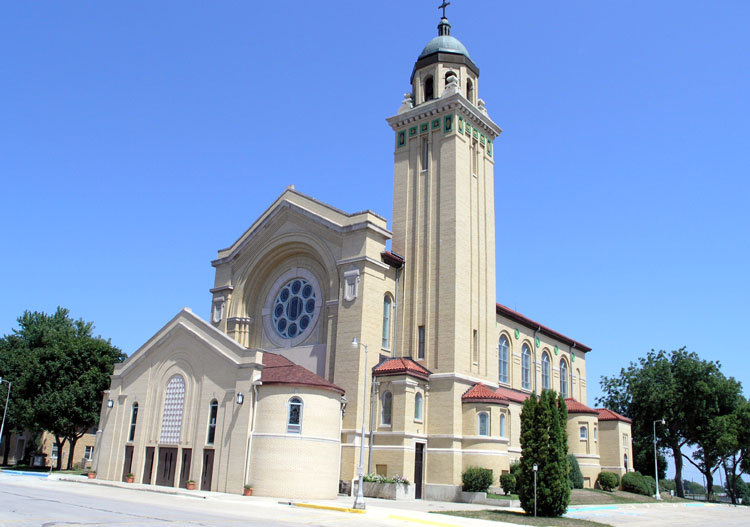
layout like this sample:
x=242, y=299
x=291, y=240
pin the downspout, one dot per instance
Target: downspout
x=252, y=430
x=571, y=370
x=536, y=350
x=341, y=428
x=375, y=383
x=395, y=314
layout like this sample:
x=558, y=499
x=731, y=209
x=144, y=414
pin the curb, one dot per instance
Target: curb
x=25, y=473
x=132, y=486
x=323, y=507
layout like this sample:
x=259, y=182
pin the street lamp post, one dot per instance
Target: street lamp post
x=535, y=469
x=359, y=501
x=656, y=463
x=7, y=398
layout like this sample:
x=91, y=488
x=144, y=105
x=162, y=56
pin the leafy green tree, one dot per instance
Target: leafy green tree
x=643, y=457
x=544, y=442
x=59, y=370
x=692, y=395
x=734, y=444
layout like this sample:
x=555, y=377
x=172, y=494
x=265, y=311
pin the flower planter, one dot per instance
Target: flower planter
x=247, y=492
x=130, y=479
x=387, y=491
x=191, y=486
x=92, y=475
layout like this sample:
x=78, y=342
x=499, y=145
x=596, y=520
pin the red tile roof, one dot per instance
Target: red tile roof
x=392, y=259
x=479, y=393
x=606, y=414
x=401, y=366
x=280, y=370
x=574, y=407
x=544, y=330
x=512, y=395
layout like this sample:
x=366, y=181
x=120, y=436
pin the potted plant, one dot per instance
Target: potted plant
x=191, y=484
x=129, y=478
x=247, y=490
x=92, y=474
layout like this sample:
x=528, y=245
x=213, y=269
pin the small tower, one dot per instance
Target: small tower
x=444, y=214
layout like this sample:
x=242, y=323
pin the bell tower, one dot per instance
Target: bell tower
x=444, y=213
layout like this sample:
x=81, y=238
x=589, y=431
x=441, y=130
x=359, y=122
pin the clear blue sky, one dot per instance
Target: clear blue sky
x=138, y=138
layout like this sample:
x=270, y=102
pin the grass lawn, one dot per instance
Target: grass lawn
x=601, y=497
x=502, y=496
x=524, y=519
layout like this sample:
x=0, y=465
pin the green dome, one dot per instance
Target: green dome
x=444, y=44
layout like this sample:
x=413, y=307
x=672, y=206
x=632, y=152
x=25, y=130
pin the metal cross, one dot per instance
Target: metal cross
x=445, y=4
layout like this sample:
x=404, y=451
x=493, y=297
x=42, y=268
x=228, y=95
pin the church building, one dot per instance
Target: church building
x=317, y=330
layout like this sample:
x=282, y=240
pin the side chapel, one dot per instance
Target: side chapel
x=270, y=391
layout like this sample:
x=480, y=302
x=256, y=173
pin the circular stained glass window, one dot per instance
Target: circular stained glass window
x=293, y=308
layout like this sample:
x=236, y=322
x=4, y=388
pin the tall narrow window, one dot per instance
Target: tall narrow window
x=475, y=159
x=418, y=407
x=564, y=378
x=475, y=347
x=429, y=92
x=625, y=461
x=583, y=432
x=294, y=421
x=545, y=371
x=387, y=410
x=213, y=410
x=484, y=424
x=425, y=154
x=502, y=425
x=420, y=349
x=133, y=420
x=504, y=351
x=174, y=402
x=387, y=323
x=470, y=90
x=526, y=367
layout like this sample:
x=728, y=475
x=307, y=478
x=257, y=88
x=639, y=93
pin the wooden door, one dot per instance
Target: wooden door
x=127, y=466
x=167, y=466
x=208, y=469
x=418, y=470
x=187, y=456
x=148, y=468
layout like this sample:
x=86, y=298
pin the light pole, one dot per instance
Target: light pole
x=535, y=469
x=2, y=426
x=656, y=463
x=359, y=501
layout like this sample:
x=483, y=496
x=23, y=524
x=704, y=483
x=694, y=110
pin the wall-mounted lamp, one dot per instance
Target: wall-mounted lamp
x=240, y=398
x=110, y=403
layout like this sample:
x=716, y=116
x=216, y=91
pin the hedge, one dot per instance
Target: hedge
x=477, y=479
x=608, y=481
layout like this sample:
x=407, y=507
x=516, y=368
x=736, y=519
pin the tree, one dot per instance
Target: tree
x=692, y=394
x=59, y=370
x=734, y=443
x=544, y=442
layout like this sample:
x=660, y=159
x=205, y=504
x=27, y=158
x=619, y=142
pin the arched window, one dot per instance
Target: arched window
x=625, y=461
x=133, y=419
x=546, y=371
x=429, y=91
x=504, y=351
x=470, y=90
x=387, y=410
x=387, y=323
x=213, y=410
x=294, y=422
x=448, y=78
x=564, y=375
x=596, y=433
x=526, y=367
x=583, y=432
x=484, y=424
x=174, y=404
x=502, y=425
x=418, y=407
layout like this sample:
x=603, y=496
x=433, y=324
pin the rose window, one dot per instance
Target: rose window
x=293, y=308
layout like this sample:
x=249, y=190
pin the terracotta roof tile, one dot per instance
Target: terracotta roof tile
x=574, y=407
x=401, y=366
x=512, y=395
x=280, y=370
x=479, y=393
x=544, y=330
x=606, y=414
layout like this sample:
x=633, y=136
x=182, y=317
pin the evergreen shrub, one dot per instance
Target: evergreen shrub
x=508, y=482
x=477, y=479
x=575, y=477
x=634, y=482
x=608, y=481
